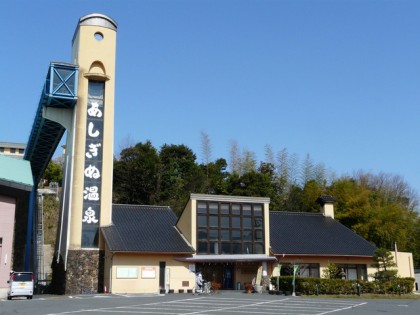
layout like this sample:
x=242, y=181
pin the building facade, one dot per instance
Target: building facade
x=15, y=186
x=231, y=240
x=12, y=149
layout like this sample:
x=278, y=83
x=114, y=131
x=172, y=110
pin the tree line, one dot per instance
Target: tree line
x=381, y=208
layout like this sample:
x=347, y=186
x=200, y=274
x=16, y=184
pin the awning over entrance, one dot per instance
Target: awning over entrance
x=228, y=258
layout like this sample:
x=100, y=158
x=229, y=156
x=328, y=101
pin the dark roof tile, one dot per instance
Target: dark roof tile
x=147, y=229
x=314, y=234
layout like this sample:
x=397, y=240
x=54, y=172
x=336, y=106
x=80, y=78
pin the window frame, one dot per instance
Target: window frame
x=240, y=227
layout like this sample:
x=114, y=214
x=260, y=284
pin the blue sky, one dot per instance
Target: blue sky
x=338, y=80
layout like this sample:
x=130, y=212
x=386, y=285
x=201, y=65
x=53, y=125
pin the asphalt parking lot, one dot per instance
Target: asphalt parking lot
x=227, y=303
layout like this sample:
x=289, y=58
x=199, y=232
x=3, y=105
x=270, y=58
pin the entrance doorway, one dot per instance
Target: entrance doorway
x=162, y=267
x=219, y=272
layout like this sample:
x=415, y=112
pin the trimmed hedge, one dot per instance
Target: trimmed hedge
x=311, y=286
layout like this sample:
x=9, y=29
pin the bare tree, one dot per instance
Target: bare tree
x=283, y=166
x=269, y=155
x=249, y=162
x=293, y=168
x=235, y=157
x=307, y=171
x=206, y=148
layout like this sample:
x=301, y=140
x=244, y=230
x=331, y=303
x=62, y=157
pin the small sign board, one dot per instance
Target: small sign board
x=148, y=273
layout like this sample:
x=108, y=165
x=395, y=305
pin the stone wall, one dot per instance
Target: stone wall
x=85, y=271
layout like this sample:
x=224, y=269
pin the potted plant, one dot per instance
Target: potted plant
x=216, y=286
x=248, y=287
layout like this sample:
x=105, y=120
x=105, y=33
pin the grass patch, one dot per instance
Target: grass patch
x=411, y=296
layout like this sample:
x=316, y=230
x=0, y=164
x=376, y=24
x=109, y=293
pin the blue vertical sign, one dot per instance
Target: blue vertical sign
x=93, y=165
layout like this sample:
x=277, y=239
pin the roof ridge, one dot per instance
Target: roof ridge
x=134, y=205
x=296, y=213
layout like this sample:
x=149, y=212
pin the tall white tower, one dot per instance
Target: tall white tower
x=87, y=187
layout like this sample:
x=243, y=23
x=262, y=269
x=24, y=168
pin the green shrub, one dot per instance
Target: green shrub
x=311, y=286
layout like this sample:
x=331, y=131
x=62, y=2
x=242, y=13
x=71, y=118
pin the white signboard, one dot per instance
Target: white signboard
x=148, y=273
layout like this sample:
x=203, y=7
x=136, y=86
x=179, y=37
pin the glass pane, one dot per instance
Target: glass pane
x=258, y=235
x=247, y=248
x=225, y=235
x=259, y=248
x=246, y=209
x=224, y=222
x=258, y=210
x=236, y=235
x=201, y=207
x=304, y=271
x=236, y=222
x=214, y=248
x=258, y=222
x=236, y=209
x=202, y=234
x=214, y=234
x=362, y=272
x=202, y=220
x=247, y=235
x=236, y=248
x=247, y=223
x=22, y=277
x=214, y=221
x=314, y=270
x=213, y=208
x=225, y=248
x=224, y=208
x=202, y=248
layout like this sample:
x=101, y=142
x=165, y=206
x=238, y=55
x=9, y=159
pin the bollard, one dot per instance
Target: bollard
x=358, y=289
x=317, y=291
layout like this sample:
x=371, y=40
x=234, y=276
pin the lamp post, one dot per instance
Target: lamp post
x=295, y=269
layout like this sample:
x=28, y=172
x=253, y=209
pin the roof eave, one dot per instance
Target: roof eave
x=322, y=255
x=148, y=253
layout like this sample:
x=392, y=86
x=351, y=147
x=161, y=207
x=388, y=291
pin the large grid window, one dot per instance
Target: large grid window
x=229, y=228
x=310, y=270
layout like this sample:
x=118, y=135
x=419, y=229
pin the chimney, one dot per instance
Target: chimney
x=327, y=205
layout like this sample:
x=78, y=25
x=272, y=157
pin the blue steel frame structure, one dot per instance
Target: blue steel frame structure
x=59, y=91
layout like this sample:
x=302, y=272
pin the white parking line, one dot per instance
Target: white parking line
x=220, y=305
x=344, y=308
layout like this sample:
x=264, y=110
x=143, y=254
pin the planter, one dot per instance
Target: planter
x=258, y=288
x=162, y=291
x=171, y=291
x=279, y=292
x=181, y=291
x=248, y=288
x=287, y=293
x=189, y=291
x=271, y=292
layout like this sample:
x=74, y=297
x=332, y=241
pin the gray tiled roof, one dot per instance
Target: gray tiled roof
x=145, y=229
x=323, y=199
x=314, y=234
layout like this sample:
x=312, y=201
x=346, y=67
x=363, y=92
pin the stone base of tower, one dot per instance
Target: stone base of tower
x=85, y=271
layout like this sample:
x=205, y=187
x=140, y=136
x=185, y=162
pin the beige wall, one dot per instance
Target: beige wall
x=187, y=222
x=146, y=265
x=323, y=262
x=404, y=263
